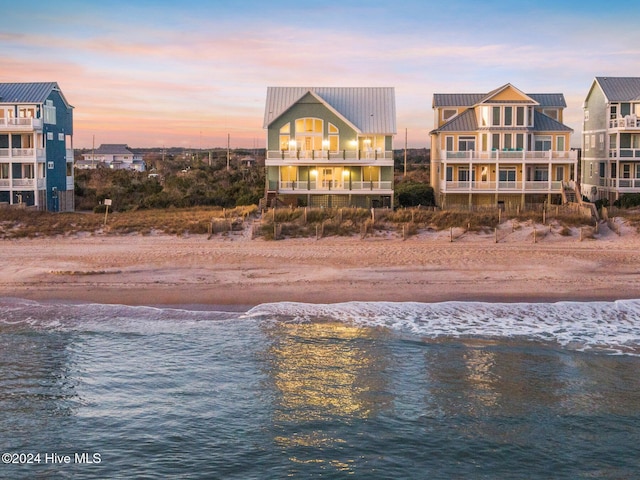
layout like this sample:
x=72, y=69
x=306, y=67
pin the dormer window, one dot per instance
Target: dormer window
x=448, y=114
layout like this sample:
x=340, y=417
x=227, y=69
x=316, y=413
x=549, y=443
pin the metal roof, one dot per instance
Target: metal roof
x=470, y=99
x=113, y=149
x=370, y=110
x=620, y=89
x=456, y=99
x=26, y=92
x=467, y=122
x=543, y=123
x=549, y=99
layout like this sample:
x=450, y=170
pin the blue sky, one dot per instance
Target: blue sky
x=153, y=73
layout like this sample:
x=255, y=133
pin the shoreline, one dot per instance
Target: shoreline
x=236, y=272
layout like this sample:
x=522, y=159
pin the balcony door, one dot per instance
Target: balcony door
x=308, y=135
x=329, y=178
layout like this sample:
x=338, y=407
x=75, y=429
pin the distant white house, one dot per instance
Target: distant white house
x=114, y=156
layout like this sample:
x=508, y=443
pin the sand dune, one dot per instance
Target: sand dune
x=169, y=270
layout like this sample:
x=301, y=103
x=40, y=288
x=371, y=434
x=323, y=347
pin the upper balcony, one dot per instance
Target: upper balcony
x=515, y=156
x=20, y=124
x=629, y=122
x=287, y=157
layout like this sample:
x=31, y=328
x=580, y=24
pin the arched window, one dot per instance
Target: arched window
x=309, y=134
x=334, y=138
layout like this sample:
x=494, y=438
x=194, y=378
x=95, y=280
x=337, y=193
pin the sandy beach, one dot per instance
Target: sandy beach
x=239, y=271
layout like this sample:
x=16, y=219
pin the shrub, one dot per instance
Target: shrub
x=410, y=194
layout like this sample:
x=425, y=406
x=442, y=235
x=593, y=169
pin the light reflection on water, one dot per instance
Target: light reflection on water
x=247, y=398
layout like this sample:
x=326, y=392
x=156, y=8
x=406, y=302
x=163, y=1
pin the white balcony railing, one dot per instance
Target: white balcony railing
x=20, y=123
x=622, y=183
x=523, y=156
x=24, y=182
x=505, y=186
x=331, y=185
x=329, y=156
x=22, y=153
x=624, y=153
x=629, y=122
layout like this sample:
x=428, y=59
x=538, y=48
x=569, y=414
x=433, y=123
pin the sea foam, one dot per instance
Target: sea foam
x=613, y=327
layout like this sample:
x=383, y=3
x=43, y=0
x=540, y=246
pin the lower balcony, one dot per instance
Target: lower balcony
x=331, y=186
x=503, y=187
x=623, y=185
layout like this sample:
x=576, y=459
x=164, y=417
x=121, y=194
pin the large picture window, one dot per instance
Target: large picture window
x=309, y=134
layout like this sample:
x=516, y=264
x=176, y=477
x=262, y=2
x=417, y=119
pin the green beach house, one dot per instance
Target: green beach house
x=330, y=146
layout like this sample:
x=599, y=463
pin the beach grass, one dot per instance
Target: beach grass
x=25, y=223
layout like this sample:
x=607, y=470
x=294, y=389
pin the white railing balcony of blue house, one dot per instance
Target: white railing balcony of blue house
x=333, y=185
x=24, y=182
x=373, y=154
x=629, y=122
x=42, y=183
x=23, y=153
x=471, y=156
x=24, y=124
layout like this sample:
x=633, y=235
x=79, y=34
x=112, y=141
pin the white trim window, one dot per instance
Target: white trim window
x=542, y=143
x=49, y=113
x=448, y=114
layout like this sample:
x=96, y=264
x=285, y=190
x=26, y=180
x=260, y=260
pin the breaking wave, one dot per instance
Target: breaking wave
x=613, y=327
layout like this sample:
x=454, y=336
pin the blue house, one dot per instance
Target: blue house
x=36, y=146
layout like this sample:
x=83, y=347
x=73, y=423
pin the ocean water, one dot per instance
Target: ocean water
x=357, y=390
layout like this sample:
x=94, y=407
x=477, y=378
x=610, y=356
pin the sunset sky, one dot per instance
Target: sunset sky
x=164, y=73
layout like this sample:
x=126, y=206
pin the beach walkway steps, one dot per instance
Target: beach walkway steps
x=569, y=195
x=269, y=201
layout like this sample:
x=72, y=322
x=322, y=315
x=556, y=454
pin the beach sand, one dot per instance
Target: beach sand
x=238, y=271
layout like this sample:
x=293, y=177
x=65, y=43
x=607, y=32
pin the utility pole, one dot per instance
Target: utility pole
x=405, y=152
x=228, y=151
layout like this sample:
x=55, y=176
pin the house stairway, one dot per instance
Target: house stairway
x=269, y=201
